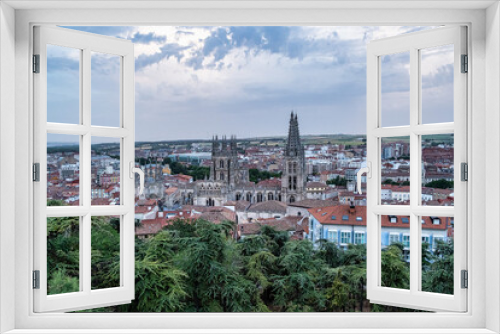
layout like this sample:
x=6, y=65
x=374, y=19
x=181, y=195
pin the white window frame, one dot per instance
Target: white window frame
x=85, y=298
x=376, y=132
x=483, y=100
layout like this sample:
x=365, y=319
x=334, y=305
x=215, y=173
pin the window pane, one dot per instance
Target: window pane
x=63, y=84
x=437, y=254
x=63, y=170
x=395, y=254
x=395, y=86
x=105, y=252
x=105, y=90
x=395, y=171
x=345, y=238
x=63, y=255
x=105, y=171
x=436, y=68
x=438, y=170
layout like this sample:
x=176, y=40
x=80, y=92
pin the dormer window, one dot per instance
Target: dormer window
x=393, y=219
x=436, y=220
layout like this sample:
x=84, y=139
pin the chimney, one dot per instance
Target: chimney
x=352, y=208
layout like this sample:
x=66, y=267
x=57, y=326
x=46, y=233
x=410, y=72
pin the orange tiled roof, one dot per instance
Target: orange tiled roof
x=347, y=215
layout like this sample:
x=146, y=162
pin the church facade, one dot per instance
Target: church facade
x=229, y=181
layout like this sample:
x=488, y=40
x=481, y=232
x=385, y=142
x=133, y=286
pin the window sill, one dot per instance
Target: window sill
x=252, y=331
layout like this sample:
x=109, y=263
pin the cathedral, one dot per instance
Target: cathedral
x=228, y=181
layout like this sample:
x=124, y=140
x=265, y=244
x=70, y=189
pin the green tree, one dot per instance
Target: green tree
x=441, y=184
x=197, y=266
x=105, y=256
x=337, y=295
x=61, y=282
x=256, y=175
x=63, y=254
x=395, y=271
x=439, y=274
x=338, y=181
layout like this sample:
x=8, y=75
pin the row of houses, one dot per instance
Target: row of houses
x=346, y=224
x=316, y=220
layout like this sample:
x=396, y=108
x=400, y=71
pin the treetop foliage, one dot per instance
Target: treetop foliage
x=197, y=266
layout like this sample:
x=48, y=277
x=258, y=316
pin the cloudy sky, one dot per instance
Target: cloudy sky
x=194, y=82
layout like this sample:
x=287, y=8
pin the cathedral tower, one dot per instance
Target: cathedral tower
x=293, y=184
x=224, y=166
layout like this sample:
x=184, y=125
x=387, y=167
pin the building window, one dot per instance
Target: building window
x=359, y=238
x=426, y=239
x=406, y=240
x=393, y=238
x=345, y=237
x=345, y=217
x=332, y=236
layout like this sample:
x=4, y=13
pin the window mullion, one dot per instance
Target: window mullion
x=414, y=171
x=85, y=178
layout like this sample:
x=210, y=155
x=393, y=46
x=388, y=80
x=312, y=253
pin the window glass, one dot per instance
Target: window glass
x=345, y=237
x=106, y=75
x=395, y=94
x=63, y=255
x=105, y=170
x=63, y=84
x=105, y=252
x=436, y=68
x=438, y=169
x=63, y=170
x=359, y=238
x=395, y=252
x=437, y=255
x=332, y=236
x=395, y=171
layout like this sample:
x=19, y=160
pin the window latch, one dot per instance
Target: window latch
x=132, y=171
x=361, y=171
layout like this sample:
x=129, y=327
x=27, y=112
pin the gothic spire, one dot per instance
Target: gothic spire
x=293, y=144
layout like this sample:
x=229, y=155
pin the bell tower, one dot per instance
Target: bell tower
x=224, y=166
x=293, y=184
